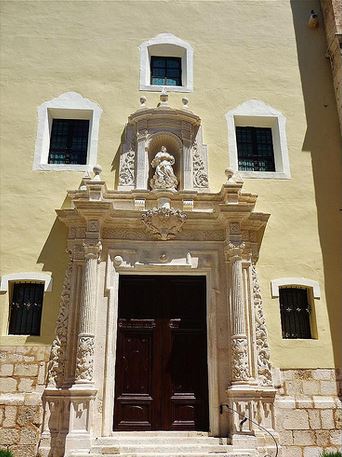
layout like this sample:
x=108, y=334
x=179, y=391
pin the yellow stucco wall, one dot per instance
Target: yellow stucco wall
x=242, y=50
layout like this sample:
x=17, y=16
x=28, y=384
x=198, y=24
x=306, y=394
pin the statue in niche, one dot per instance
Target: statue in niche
x=164, y=177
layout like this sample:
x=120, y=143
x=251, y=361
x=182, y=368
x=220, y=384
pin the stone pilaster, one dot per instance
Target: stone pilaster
x=239, y=340
x=86, y=332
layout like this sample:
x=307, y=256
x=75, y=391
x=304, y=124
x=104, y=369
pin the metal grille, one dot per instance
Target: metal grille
x=166, y=71
x=69, y=141
x=295, y=313
x=26, y=309
x=255, y=149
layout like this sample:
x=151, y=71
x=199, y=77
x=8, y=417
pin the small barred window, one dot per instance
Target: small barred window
x=255, y=149
x=166, y=71
x=69, y=141
x=26, y=309
x=295, y=313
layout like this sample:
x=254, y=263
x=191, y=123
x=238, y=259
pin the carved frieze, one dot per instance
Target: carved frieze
x=200, y=174
x=127, y=169
x=164, y=223
x=56, y=367
x=262, y=345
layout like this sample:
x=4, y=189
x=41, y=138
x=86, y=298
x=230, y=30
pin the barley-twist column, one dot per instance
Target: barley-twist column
x=86, y=330
x=239, y=341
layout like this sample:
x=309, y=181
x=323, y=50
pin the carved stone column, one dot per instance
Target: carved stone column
x=86, y=333
x=239, y=341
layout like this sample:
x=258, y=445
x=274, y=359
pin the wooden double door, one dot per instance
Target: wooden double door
x=161, y=375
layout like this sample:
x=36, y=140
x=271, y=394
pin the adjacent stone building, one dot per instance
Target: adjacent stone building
x=170, y=233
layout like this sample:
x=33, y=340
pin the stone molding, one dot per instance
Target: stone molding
x=276, y=284
x=33, y=276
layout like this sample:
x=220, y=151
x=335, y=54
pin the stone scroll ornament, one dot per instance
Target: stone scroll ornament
x=56, y=366
x=84, y=359
x=200, y=177
x=127, y=171
x=262, y=346
x=164, y=177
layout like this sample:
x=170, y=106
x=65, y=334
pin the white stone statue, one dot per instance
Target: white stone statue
x=164, y=177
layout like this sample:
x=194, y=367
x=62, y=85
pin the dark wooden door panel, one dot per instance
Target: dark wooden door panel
x=161, y=367
x=134, y=389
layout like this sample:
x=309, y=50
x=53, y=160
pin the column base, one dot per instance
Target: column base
x=68, y=420
x=245, y=402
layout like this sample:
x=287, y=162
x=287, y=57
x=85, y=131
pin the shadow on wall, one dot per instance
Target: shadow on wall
x=54, y=258
x=323, y=141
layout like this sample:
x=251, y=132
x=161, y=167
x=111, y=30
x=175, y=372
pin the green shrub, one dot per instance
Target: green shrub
x=331, y=454
x=4, y=453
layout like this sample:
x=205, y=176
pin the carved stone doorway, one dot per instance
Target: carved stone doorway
x=161, y=362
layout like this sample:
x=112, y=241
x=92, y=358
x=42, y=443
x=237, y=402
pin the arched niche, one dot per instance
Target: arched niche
x=179, y=130
x=173, y=145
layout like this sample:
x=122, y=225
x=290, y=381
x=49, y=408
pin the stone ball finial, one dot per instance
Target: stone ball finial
x=142, y=101
x=97, y=169
x=185, y=102
x=229, y=173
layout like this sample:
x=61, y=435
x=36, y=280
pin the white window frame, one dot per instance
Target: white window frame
x=255, y=113
x=19, y=278
x=306, y=283
x=166, y=45
x=69, y=105
x=37, y=277
x=314, y=292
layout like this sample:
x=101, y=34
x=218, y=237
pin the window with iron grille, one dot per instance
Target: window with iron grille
x=26, y=309
x=295, y=312
x=255, y=149
x=166, y=71
x=69, y=141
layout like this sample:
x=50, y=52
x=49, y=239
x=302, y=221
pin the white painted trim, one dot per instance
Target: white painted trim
x=69, y=105
x=256, y=113
x=166, y=44
x=45, y=278
x=276, y=284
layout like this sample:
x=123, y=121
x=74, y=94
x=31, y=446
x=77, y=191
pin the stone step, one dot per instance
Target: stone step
x=187, y=433
x=158, y=454
x=132, y=439
x=169, y=448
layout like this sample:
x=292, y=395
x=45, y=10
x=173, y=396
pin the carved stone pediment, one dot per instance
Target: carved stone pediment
x=163, y=223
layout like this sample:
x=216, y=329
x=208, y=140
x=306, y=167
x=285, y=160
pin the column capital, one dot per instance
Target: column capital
x=92, y=249
x=234, y=251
